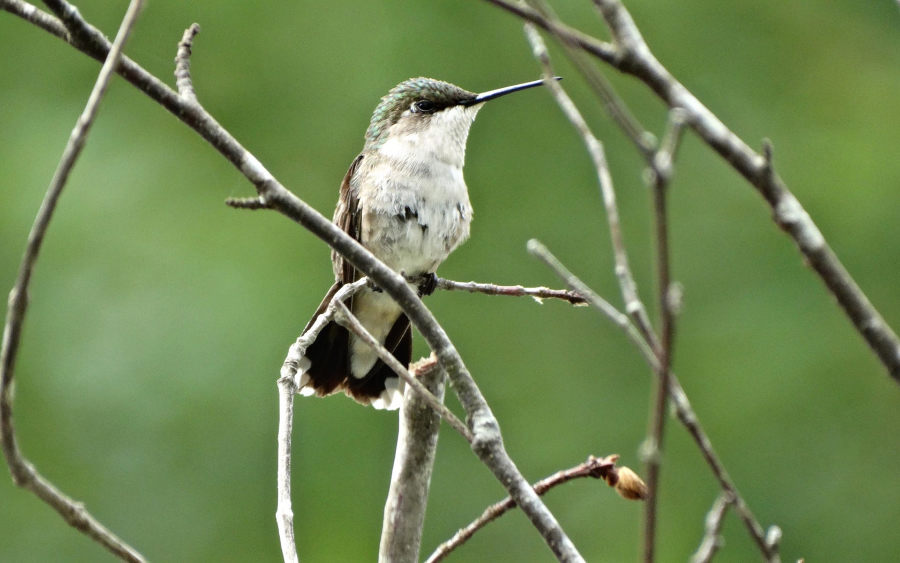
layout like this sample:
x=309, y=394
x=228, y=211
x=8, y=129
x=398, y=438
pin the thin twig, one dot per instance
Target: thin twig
x=633, y=305
x=680, y=402
x=642, y=139
x=488, y=441
x=601, y=49
x=24, y=474
x=620, y=319
x=417, y=438
x=660, y=173
x=183, y=64
x=712, y=539
x=345, y=318
x=598, y=468
x=538, y=293
x=252, y=203
x=287, y=388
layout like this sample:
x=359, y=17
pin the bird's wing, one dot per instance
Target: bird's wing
x=346, y=216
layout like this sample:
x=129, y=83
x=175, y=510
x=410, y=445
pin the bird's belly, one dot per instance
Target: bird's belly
x=414, y=248
x=412, y=223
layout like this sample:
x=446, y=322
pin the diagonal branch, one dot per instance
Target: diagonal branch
x=23, y=472
x=346, y=319
x=633, y=304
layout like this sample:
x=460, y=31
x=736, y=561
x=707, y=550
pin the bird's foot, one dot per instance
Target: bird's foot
x=427, y=284
x=371, y=285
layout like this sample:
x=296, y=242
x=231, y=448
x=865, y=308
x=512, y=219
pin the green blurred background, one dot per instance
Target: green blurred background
x=160, y=317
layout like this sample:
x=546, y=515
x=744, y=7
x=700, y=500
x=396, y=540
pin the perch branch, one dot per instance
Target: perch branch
x=626, y=483
x=538, y=293
x=24, y=474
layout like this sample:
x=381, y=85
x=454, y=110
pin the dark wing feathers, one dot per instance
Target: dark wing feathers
x=346, y=216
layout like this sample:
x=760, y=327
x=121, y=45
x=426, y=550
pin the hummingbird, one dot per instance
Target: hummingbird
x=405, y=200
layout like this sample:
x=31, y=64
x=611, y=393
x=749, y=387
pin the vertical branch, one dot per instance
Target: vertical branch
x=404, y=511
x=660, y=174
x=23, y=472
x=287, y=388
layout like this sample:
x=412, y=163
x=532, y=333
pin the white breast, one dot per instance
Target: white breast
x=415, y=205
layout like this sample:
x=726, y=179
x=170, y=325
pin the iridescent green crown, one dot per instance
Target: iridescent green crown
x=398, y=100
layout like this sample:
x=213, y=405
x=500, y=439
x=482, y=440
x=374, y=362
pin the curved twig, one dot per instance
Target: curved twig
x=24, y=474
x=287, y=388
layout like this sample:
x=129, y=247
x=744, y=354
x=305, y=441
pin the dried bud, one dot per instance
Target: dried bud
x=629, y=485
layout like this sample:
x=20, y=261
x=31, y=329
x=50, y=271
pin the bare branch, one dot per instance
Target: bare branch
x=31, y=14
x=538, y=293
x=183, y=64
x=642, y=139
x=712, y=540
x=601, y=49
x=660, y=174
x=287, y=388
x=487, y=443
x=593, y=299
x=24, y=474
x=598, y=468
x=252, y=203
x=404, y=511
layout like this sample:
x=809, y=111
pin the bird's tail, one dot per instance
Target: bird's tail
x=327, y=363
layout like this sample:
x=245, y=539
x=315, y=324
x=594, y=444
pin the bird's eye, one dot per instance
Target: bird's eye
x=424, y=106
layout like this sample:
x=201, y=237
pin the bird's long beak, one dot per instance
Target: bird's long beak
x=485, y=96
